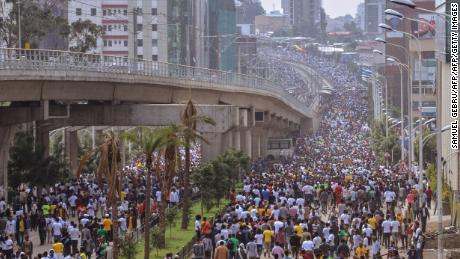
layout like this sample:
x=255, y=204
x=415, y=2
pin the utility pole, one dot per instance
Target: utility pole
x=19, y=25
x=135, y=13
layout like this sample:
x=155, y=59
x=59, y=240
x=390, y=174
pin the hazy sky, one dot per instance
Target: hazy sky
x=333, y=8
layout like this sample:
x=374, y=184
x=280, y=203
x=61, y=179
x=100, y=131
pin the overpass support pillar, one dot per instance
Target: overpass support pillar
x=6, y=138
x=236, y=138
x=214, y=148
x=309, y=125
x=246, y=141
x=42, y=140
x=259, y=142
x=71, y=149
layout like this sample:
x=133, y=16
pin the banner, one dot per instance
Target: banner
x=426, y=27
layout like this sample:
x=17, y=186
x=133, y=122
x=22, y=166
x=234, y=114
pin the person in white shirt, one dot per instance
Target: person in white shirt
x=198, y=226
x=308, y=245
x=74, y=236
x=375, y=247
x=57, y=226
x=10, y=228
x=326, y=231
x=395, y=230
x=389, y=198
x=158, y=195
x=317, y=241
x=278, y=225
x=386, y=225
x=345, y=218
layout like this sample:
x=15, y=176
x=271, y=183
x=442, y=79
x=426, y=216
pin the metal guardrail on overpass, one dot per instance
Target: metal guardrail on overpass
x=36, y=59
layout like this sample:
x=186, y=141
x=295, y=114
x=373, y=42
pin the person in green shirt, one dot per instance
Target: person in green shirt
x=46, y=209
x=233, y=244
x=343, y=234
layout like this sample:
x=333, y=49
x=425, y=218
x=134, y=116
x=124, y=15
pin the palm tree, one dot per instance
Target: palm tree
x=149, y=142
x=108, y=171
x=170, y=138
x=190, y=120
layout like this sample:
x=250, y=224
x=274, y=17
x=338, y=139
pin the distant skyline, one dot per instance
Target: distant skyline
x=333, y=8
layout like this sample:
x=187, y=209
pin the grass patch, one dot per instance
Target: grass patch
x=178, y=238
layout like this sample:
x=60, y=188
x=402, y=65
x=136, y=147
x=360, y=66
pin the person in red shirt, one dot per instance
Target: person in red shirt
x=205, y=227
x=338, y=194
x=429, y=196
x=232, y=197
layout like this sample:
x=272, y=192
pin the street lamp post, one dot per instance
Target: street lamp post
x=411, y=144
x=400, y=65
x=411, y=4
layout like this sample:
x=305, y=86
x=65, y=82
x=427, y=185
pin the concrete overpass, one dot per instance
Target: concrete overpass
x=57, y=89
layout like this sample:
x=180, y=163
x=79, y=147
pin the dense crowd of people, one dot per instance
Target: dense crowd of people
x=74, y=218
x=329, y=200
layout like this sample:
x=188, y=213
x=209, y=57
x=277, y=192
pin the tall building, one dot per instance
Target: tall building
x=450, y=157
x=222, y=35
x=131, y=27
x=373, y=15
x=423, y=71
x=360, y=15
x=304, y=15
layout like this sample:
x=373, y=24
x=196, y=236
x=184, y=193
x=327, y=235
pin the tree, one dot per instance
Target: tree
x=170, y=137
x=128, y=245
x=37, y=19
x=83, y=35
x=29, y=164
x=190, y=119
x=353, y=28
x=150, y=142
x=171, y=215
x=108, y=171
x=218, y=177
x=248, y=10
x=155, y=238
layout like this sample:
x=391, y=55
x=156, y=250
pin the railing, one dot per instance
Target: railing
x=35, y=59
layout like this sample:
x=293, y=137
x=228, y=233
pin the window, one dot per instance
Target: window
x=139, y=27
x=104, y=27
x=93, y=11
x=104, y=12
x=154, y=42
x=125, y=12
x=154, y=27
x=126, y=43
x=110, y=12
x=105, y=43
x=139, y=10
x=110, y=43
x=140, y=42
x=125, y=27
x=154, y=57
x=140, y=56
x=154, y=11
x=259, y=116
x=110, y=27
x=119, y=11
x=78, y=11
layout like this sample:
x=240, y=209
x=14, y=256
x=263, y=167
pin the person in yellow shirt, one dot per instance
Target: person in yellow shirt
x=268, y=212
x=298, y=230
x=260, y=211
x=58, y=248
x=373, y=223
x=268, y=237
x=361, y=251
x=107, y=225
